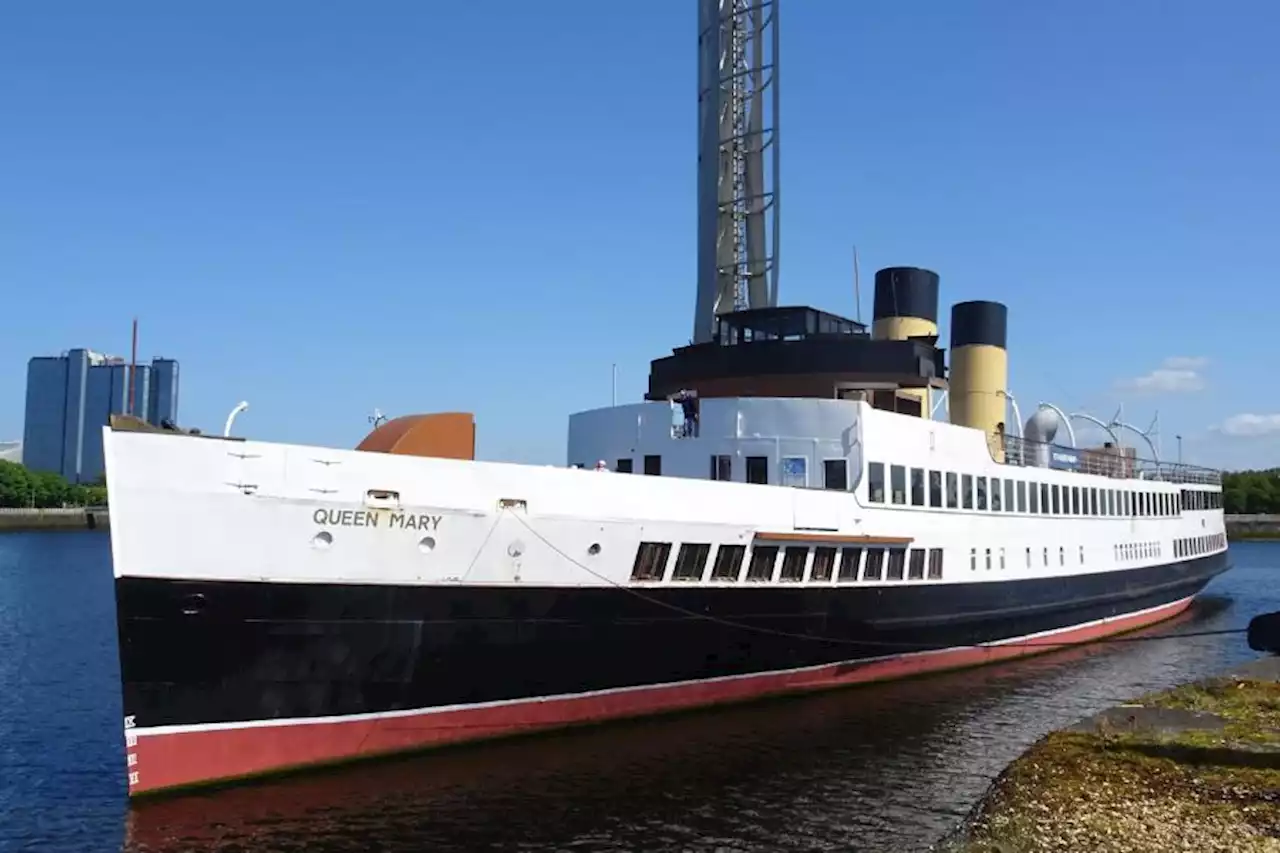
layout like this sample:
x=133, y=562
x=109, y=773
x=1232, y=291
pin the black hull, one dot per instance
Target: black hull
x=220, y=652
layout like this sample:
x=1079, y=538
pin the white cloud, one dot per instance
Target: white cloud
x=1249, y=426
x=1175, y=375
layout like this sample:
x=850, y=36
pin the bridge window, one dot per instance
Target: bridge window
x=728, y=562
x=1057, y=502
x=935, y=488
x=793, y=560
x=721, y=467
x=897, y=560
x=1008, y=496
x=953, y=491
x=875, y=561
x=690, y=561
x=982, y=492
x=1035, y=497
x=1075, y=501
x=875, y=482
x=762, y=559
x=935, y=564
x=651, y=561
x=995, y=494
x=623, y=466
x=917, y=487
x=915, y=565
x=849, y=560
x=835, y=474
x=758, y=469
x=824, y=560
x=1022, y=496
x=898, y=484
x=653, y=465
x=966, y=491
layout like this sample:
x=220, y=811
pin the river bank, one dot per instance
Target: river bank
x=76, y=518
x=1253, y=526
x=1194, y=768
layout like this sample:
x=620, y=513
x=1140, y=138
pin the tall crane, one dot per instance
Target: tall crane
x=737, y=136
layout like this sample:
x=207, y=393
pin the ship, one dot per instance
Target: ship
x=799, y=503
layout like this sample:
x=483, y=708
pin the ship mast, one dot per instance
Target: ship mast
x=738, y=198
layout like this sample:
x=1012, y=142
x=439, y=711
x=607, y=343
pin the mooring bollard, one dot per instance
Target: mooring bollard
x=1264, y=633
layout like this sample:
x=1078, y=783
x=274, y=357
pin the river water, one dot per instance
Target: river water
x=883, y=768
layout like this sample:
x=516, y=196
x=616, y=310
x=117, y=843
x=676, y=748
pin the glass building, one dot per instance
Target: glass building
x=71, y=397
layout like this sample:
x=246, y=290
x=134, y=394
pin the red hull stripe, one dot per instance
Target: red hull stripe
x=167, y=758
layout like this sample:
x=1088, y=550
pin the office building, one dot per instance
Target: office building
x=72, y=396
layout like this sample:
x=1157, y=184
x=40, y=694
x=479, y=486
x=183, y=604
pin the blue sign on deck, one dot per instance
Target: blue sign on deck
x=1064, y=458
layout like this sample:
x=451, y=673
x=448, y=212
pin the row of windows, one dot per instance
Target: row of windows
x=1138, y=551
x=1193, y=499
x=1196, y=545
x=921, y=487
x=835, y=472
x=844, y=565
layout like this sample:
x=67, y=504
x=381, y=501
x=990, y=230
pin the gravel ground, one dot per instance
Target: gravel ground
x=1194, y=769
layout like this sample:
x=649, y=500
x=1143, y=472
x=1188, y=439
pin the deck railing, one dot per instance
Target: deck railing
x=1106, y=462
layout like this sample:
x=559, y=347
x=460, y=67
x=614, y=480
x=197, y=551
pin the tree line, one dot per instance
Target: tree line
x=22, y=487
x=1251, y=492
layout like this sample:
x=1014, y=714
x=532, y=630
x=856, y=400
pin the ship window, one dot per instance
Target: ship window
x=795, y=471
x=1035, y=497
x=835, y=474
x=897, y=559
x=1111, y=501
x=1022, y=496
x=1028, y=558
x=690, y=561
x=849, y=559
x=1057, y=502
x=988, y=559
x=728, y=562
x=1075, y=501
x=1044, y=498
x=721, y=467
x=875, y=560
x=762, y=559
x=982, y=492
x=917, y=487
x=935, y=488
x=953, y=492
x=793, y=560
x=1046, y=556
x=623, y=466
x=915, y=565
x=651, y=561
x=653, y=465
x=898, y=484
x=966, y=490
x=1093, y=502
x=973, y=559
x=1002, y=558
x=995, y=494
x=875, y=482
x=935, y=564
x=824, y=560
x=1082, y=555
x=1062, y=556
x=1008, y=496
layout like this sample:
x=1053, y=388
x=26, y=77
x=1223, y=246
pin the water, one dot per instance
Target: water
x=885, y=768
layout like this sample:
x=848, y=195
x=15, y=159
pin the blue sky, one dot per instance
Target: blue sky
x=326, y=208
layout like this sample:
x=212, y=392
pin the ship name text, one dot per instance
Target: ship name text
x=369, y=518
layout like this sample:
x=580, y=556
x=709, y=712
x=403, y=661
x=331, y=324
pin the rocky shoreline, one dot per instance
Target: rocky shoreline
x=16, y=520
x=1195, y=768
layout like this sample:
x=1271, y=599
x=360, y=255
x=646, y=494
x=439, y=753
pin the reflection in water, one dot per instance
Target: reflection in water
x=884, y=767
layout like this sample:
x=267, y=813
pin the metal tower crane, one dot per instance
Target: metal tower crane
x=737, y=127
